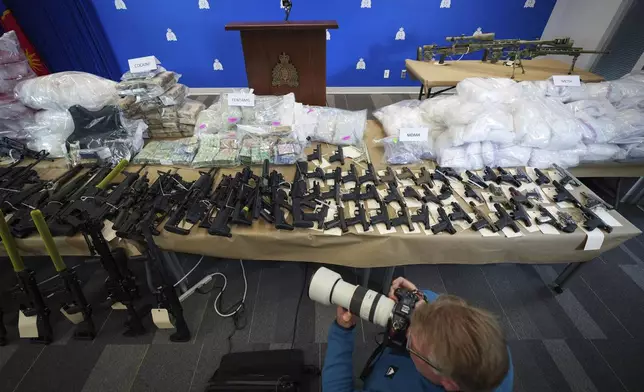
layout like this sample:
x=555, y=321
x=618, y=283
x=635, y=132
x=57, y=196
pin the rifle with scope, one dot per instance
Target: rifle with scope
x=512, y=50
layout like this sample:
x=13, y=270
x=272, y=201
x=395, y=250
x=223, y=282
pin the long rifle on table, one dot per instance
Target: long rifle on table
x=77, y=309
x=68, y=221
x=33, y=308
x=35, y=193
x=191, y=202
x=21, y=223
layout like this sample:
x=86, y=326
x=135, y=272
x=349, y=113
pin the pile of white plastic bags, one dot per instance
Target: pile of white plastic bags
x=498, y=122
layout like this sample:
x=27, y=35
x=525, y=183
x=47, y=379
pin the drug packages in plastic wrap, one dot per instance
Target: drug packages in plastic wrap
x=497, y=122
x=62, y=90
x=14, y=66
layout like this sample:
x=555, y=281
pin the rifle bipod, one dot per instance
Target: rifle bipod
x=169, y=313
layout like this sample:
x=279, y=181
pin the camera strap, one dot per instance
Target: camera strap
x=368, y=367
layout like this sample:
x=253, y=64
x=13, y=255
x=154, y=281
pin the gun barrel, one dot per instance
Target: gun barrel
x=112, y=175
x=569, y=51
x=10, y=245
x=48, y=239
x=478, y=37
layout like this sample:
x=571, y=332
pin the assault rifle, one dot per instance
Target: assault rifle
x=150, y=201
x=132, y=200
x=32, y=305
x=166, y=294
x=33, y=195
x=11, y=147
x=21, y=223
x=120, y=283
x=102, y=205
x=219, y=224
x=194, y=197
x=76, y=308
x=16, y=178
x=60, y=220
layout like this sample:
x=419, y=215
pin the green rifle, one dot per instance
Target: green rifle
x=32, y=303
x=76, y=308
x=513, y=50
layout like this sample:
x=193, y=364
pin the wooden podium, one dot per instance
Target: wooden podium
x=284, y=57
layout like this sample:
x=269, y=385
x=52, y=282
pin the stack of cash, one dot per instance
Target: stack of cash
x=160, y=101
x=255, y=150
x=187, y=115
x=217, y=150
x=162, y=152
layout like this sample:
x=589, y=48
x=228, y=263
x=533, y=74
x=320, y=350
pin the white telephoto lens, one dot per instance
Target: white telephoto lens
x=327, y=287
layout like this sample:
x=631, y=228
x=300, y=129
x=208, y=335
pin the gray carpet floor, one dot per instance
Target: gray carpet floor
x=590, y=338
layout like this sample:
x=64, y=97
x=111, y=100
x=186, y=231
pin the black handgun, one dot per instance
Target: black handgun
x=474, y=178
x=542, y=178
x=459, y=214
x=505, y=176
x=505, y=220
x=444, y=223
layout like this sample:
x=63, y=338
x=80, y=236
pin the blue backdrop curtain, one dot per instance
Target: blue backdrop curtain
x=67, y=34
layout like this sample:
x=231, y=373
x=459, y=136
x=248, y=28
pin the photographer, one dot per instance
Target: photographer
x=451, y=346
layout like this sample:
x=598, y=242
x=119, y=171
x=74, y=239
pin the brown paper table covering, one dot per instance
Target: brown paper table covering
x=263, y=242
x=452, y=72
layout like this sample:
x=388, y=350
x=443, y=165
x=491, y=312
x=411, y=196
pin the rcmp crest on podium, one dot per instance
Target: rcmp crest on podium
x=285, y=73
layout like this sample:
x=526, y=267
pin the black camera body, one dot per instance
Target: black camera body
x=396, y=337
x=396, y=334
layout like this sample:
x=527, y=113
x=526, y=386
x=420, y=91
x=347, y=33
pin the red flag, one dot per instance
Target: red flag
x=10, y=23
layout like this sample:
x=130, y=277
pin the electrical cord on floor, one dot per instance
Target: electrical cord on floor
x=240, y=304
x=231, y=311
x=299, y=301
x=189, y=272
x=239, y=322
x=236, y=311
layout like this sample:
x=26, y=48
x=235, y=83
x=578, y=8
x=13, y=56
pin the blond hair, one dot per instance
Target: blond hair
x=466, y=343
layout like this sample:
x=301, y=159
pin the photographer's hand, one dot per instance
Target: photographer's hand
x=344, y=318
x=398, y=283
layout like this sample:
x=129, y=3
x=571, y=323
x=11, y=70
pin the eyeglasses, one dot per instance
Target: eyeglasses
x=420, y=356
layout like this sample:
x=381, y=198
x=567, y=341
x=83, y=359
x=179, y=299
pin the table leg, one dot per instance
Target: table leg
x=430, y=95
x=618, y=189
x=366, y=274
x=387, y=279
x=420, y=95
x=557, y=284
x=634, y=189
x=429, y=92
x=638, y=197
